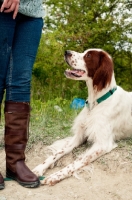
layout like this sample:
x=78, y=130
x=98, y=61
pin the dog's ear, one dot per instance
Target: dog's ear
x=103, y=74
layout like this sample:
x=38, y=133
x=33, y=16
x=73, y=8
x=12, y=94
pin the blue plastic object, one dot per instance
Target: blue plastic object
x=77, y=103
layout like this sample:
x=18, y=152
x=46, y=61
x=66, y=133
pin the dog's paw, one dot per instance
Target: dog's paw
x=51, y=180
x=54, y=178
x=39, y=170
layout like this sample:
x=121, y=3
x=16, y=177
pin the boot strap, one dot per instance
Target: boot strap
x=19, y=107
x=15, y=132
x=15, y=147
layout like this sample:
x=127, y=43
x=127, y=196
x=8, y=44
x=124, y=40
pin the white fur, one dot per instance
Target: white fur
x=101, y=124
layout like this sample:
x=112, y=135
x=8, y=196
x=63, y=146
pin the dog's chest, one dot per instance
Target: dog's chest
x=84, y=119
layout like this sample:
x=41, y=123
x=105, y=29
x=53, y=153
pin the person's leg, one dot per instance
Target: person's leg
x=17, y=104
x=7, y=27
x=23, y=54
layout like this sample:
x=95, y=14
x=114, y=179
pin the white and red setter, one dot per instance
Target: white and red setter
x=106, y=117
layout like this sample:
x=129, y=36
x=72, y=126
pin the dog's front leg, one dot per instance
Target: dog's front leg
x=74, y=142
x=90, y=155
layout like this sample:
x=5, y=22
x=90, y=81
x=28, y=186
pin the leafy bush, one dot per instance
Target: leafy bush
x=79, y=25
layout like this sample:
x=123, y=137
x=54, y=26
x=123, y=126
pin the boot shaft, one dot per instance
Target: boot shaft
x=16, y=132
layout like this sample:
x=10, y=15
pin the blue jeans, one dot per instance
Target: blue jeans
x=19, y=41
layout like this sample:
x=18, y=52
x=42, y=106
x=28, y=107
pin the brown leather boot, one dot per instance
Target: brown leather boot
x=16, y=136
x=2, y=185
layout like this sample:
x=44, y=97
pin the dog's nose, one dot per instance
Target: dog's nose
x=68, y=53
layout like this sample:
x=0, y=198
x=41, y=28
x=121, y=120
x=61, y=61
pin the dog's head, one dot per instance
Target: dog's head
x=93, y=63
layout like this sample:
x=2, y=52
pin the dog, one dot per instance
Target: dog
x=105, y=118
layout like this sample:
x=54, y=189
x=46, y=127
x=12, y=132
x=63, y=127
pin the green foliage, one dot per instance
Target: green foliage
x=123, y=69
x=96, y=24
x=78, y=25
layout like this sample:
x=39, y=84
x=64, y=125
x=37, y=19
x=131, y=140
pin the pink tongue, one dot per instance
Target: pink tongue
x=77, y=72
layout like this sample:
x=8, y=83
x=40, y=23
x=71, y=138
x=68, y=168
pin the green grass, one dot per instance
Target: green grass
x=47, y=124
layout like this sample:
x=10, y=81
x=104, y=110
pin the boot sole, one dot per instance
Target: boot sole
x=2, y=186
x=24, y=184
x=28, y=185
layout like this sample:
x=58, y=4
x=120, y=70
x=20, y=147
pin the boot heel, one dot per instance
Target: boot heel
x=2, y=184
x=10, y=174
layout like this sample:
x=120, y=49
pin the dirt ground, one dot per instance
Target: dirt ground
x=108, y=178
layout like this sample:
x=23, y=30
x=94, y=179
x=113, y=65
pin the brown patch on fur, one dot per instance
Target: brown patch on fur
x=52, y=183
x=100, y=68
x=97, y=153
x=91, y=157
x=61, y=152
x=86, y=163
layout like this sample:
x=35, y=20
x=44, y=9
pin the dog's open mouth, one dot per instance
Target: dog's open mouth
x=74, y=72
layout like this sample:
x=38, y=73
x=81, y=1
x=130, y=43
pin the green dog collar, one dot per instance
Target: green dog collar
x=104, y=97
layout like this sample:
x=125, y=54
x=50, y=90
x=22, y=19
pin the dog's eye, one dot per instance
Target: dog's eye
x=88, y=55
